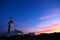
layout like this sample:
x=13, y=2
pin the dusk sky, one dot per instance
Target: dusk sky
x=40, y=16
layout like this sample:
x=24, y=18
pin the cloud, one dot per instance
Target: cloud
x=51, y=13
x=48, y=16
x=33, y=29
x=45, y=17
x=55, y=27
x=43, y=28
x=40, y=25
x=54, y=24
x=30, y=29
x=37, y=33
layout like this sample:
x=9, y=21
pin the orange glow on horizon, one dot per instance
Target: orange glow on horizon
x=51, y=29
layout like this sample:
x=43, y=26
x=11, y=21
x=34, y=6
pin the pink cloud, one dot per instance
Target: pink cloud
x=45, y=17
x=52, y=26
x=32, y=29
x=48, y=16
x=37, y=33
x=28, y=30
x=40, y=25
x=55, y=27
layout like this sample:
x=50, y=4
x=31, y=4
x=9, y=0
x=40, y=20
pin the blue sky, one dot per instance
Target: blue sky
x=28, y=13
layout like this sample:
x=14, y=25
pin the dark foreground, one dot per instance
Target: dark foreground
x=53, y=36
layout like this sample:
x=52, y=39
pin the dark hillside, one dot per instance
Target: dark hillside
x=52, y=36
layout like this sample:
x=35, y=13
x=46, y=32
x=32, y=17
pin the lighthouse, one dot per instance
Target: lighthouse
x=11, y=30
x=10, y=25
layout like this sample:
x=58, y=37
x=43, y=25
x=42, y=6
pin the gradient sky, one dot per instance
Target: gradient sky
x=30, y=15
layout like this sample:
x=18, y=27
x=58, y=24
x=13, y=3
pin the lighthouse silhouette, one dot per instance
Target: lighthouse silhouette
x=10, y=25
x=11, y=30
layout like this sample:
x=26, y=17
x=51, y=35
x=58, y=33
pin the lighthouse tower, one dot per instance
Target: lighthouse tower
x=11, y=30
x=11, y=25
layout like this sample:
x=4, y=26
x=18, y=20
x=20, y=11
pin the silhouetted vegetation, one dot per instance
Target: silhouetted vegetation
x=52, y=36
